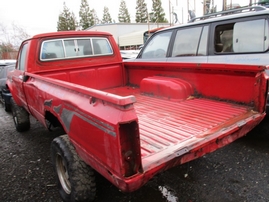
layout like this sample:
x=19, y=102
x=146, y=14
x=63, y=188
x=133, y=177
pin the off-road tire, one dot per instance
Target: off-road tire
x=20, y=117
x=75, y=179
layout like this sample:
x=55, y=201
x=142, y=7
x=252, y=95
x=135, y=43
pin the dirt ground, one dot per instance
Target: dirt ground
x=238, y=172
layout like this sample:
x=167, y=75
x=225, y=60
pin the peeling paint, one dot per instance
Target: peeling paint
x=57, y=109
x=48, y=103
x=67, y=116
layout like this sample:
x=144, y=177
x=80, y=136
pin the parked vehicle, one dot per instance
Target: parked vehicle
x=236, y=36
x=7, y=62
x=128, y=120
x=129, y=54
x=5, y=67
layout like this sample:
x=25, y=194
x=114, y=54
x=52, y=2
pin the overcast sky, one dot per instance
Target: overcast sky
x=36, y=16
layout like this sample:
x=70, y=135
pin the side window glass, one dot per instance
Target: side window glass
x=84, y=47
x=158, y=45
x=70, y=48
x=21, y=64
x=52, y=49
x=186, y=42
x=202, y=50
x=224, y=38
x=250, y=36
x=101, y=46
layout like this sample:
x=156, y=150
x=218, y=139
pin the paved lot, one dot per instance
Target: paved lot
x=237, y=172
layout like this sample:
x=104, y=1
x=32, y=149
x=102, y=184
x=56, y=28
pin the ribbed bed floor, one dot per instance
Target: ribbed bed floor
x=165, y=124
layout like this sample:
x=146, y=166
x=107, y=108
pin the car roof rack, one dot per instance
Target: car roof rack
x=229, y=12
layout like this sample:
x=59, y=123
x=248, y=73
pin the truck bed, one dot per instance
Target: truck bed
x=169, y=128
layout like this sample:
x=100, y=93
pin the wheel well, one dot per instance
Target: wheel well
x=53, y=120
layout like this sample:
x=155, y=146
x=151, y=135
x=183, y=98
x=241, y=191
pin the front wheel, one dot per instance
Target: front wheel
x=20, y=117
x=76, y=180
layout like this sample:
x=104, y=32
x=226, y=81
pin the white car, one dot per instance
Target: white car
x=5, y=67
x=128, y=54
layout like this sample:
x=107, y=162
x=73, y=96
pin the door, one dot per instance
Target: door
x=17, y=77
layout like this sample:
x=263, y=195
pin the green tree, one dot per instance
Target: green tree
x=106, y=16
x=157, y=15
x=96, y=20
x=85, y=15
x=123, y=15
x=141, y=15
x=73, y=22
x=66, y=20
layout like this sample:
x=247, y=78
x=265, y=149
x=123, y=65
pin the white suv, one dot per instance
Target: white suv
x=233, y=36
x=238, y=36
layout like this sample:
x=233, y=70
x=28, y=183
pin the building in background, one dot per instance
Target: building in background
x=128, y=36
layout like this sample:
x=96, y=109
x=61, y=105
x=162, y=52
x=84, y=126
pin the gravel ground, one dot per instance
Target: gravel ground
x=237, y=172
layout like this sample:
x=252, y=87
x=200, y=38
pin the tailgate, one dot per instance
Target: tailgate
x=170, y=129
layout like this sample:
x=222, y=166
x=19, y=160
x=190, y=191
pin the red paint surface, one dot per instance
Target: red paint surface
x=132, y=120
x=166, y=87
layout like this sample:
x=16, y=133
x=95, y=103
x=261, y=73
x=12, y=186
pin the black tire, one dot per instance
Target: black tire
x=75, y=179
x=20, y=117
x=7, y=106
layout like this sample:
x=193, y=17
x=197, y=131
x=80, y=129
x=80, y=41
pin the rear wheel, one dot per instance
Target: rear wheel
x=76, y=180
x=20, y=117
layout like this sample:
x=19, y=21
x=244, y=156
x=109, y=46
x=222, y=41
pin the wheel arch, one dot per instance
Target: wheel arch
x=53, y=119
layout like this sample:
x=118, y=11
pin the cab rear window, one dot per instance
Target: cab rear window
x=74, y=48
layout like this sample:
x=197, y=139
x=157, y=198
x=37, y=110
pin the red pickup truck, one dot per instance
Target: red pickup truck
x=127, y=120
